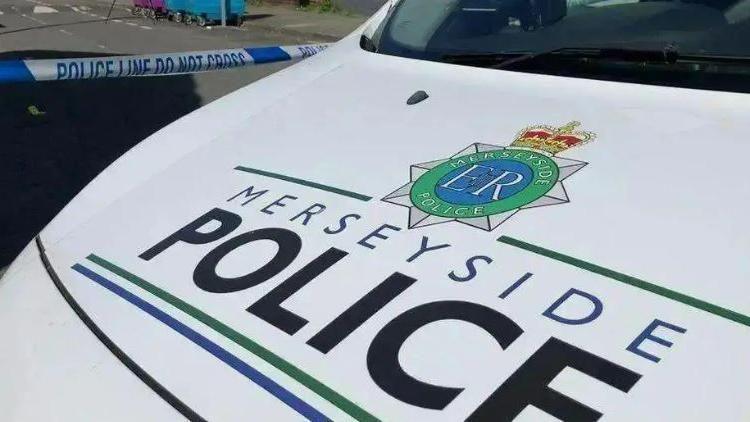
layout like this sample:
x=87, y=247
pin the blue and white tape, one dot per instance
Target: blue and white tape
x=150, y=64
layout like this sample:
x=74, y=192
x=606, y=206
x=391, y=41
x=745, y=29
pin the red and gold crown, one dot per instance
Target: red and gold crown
x=552, y=139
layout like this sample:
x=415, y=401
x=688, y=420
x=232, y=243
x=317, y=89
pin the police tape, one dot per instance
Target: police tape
x=150, y=64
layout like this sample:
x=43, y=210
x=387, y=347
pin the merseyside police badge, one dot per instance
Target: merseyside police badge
x=484, y=185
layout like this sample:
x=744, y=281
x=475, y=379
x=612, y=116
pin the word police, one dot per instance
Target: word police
x=528, y=385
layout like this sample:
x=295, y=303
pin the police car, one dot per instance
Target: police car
x=465, y=210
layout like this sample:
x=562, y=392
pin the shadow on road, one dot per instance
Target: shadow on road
x=255, y=16
x=56, y=136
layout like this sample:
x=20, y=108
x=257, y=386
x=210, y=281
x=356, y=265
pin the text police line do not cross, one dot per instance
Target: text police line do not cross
x=150, y=64
x=528, y=385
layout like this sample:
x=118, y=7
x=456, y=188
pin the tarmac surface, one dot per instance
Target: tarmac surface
x=56, y=136
x=361, y=6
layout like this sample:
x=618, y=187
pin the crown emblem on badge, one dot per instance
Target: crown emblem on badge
x=552, y=140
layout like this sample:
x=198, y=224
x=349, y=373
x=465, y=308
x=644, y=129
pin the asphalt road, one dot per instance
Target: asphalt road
x=56, y=136
x=365, y=7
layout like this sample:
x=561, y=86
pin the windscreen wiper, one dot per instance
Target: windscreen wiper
x=667, y=55
x=482, y=59
x=367, y=44
x=505, y=59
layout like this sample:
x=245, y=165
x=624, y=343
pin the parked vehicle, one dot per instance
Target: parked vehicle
x=466, y=210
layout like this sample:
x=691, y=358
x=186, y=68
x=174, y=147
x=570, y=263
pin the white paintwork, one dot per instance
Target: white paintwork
x=340, y=119
x=44, y=9
x=53, y=367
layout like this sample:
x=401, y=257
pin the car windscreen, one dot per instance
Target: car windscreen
x=447, y=29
